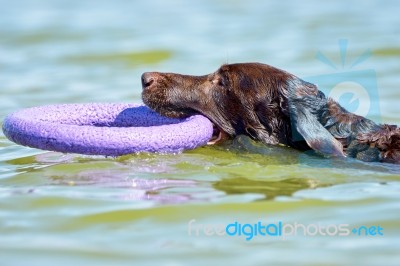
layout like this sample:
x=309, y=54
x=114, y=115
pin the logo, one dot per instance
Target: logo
x=280, y=230
x=353, y=88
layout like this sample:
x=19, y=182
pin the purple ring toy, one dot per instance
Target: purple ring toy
x=105, y=129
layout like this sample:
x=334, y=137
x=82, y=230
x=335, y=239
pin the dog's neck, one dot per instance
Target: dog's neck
x=361, y=138
x=343, y=124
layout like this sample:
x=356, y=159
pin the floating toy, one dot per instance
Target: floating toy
x=110, y=129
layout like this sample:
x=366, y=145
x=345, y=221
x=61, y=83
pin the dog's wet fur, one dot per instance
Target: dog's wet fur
x=272, y=106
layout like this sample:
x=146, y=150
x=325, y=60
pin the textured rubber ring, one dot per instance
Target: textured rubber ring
x=110, y=129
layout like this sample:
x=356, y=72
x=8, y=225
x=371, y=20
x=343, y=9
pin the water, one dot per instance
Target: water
x=65, y=208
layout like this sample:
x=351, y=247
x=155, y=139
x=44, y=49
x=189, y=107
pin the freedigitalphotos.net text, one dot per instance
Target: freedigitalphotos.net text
x=280, y=229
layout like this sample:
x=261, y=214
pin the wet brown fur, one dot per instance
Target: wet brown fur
x=272, y=106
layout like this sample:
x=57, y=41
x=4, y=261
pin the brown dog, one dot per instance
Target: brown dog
x=272, y=106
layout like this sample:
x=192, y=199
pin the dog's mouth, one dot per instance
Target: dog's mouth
x=218, y=136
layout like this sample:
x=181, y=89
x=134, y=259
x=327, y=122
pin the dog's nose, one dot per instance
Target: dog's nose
x=147, y=79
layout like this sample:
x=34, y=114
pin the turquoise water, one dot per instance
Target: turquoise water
x=139, y=209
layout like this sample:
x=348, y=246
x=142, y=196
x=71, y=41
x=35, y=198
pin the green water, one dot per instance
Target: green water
x=149, y=209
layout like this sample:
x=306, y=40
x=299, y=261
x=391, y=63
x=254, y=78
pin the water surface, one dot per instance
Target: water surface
x=136, y=209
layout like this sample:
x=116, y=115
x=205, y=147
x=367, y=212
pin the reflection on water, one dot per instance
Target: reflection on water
x=129, y=58
x=270, y=189
x=69, y=208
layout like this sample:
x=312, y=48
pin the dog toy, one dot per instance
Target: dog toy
x=110, y=129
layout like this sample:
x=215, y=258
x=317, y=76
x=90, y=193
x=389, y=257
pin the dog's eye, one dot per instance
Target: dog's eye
x=219, y=81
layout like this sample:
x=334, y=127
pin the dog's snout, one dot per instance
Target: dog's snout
x=147, y=79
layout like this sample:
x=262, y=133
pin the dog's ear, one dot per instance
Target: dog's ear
x=306, y=103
